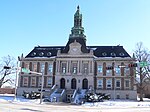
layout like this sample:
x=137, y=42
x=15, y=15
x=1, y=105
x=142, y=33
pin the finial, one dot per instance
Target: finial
x=78, y=7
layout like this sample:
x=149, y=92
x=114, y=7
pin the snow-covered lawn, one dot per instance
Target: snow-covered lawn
x=121, y=103
x=11, y=98
x=110, y=103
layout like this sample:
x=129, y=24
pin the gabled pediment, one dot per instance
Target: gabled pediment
x=75, y=48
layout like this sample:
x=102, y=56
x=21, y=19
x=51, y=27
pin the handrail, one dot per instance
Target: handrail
x=74, y=94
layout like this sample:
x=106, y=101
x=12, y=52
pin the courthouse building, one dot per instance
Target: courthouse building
x=77, y=67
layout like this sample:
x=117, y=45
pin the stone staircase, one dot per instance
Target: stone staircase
x=58, y=95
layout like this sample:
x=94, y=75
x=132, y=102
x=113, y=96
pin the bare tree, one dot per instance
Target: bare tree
x=142, y=56
x=6, y=75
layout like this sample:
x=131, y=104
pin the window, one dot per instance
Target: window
x=126, y=71
x=100, y=84
x=41, y=54
x=49, y=54
x=74, y=69
x=104, y=54
x=117, y=70
x=26, y=65
x=50, y=68
x=33, y=81
x=108, y=83
x=100, y=69
x=64, y=66
x=121, y=54
x=85, y=68
x=109, y=71
x=25, y=81
x=42, y=67
x=35, y=67
x=127, y=83
x=118, y=84
x=113, y=54
x=33, y=54
x=40, y=81
x=49, y=81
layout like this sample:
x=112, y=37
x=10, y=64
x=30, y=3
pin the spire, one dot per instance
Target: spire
x=77, y=30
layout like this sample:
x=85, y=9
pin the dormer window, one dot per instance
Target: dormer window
x=104, y=54
x=113, y=54
x=121, y=54
x=41, y=54
x=49, y=54
x=33, y=54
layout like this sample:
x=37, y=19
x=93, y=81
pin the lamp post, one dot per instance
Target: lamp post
x=16, y=81
x=42, y=87
x=114, y=80
x=114, y=88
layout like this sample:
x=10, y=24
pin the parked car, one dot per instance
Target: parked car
x=31, y=95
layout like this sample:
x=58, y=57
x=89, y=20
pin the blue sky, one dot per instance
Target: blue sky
x=25, y=24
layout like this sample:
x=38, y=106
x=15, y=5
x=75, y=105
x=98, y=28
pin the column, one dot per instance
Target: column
x=78, y=66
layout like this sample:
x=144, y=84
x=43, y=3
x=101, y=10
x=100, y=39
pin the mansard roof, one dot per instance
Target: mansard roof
x=99, y=51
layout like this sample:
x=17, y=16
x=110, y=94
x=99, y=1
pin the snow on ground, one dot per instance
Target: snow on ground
x=11, y=98
x=119, y=103
x=109, y=103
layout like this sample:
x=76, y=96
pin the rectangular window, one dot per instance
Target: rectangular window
x=108, y=71
x=74, y=68
x=126, y=71
x=100, y=84
x=35, y=67
x=127, y=83
x=40, y=81
x=64, y=66
x=108, y=83
x=42, y=67
x=100, y=69
x=25, y=81
x=50, y=68
x=33, y=81
x=118, y=84
x=85, y=68
x=49, y=81
x=26, y=65
x=117, y=71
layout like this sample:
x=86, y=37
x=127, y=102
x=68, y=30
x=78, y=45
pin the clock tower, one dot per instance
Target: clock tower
x=77, y=30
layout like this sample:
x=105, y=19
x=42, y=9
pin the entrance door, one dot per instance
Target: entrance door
x=62, y=83
x=85, y=84
x=73, y=83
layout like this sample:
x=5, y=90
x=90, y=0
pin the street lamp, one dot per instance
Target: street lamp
x=114, y=79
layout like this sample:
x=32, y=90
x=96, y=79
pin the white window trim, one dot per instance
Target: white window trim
x=50, y=71
x=110, y=83
x=116, y=83
x=35, y=81
x=108, y=72
x=101, y=69
x=100, y=84
x=125, y=83
x=42, y=67
x=50, y=83
x=24, y=81
x=117, y=71
x=33, y=67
